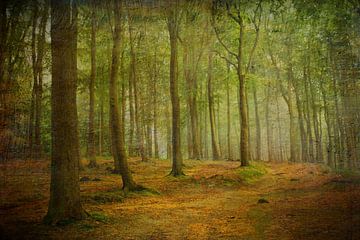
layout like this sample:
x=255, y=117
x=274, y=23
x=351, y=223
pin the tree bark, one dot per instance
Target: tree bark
x=173, y=22
x=64, y=188
x=91, y=133
x=258, y=127
x=118, y=146
x=214, y=143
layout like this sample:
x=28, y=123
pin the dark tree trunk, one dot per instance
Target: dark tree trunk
x=173, y=21
x=91, y=134
x=64, y=189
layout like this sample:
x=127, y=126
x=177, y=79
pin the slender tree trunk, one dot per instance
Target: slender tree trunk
x=330, y=146
x=228, y=114
x=173, y=21
x=118, y=145
x=131, y=92
x=168, y=133
x=91, y=134
x=214, y=143
x=101, y=120
x=281, y=148
x=244, y=121
x=258, y=128
x=39, y=90
x=269, y=132
x=155, y=116
x=307, y=118
x=64, y=201
x=304, y=147
x=35, y=80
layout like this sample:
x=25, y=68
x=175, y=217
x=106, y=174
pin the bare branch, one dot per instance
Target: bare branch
x=221, y=41
x=225, y=58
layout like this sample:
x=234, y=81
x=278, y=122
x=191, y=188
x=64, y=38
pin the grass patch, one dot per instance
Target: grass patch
x=99, y=217
x=252, y=173
x=104, y=197
x=86, y=227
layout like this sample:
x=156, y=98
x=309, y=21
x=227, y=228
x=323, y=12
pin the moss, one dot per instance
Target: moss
x=100, y=217
x=252, y=173
x=86, y=227
x=102, y=197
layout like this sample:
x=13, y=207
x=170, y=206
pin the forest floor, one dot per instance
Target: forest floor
x=215, y=200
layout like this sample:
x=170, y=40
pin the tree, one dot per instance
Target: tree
x=64, y=188
x=91, y=134
x=235, y=11
x=117, y=140
x=173, y=27
x=213, y=130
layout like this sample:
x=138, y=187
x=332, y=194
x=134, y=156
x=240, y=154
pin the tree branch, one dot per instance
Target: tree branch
x=220, y=40
x=225, y=58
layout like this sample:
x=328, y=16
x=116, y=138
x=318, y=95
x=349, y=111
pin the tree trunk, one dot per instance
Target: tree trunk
x=228, y=114
x=118, y=146
x=269, y=132
x=155, y=109
x=168, y=133
x=131, y=93
x=214, y=143
x=39, y=90
x=258, y=128
x=91, y=134
x=173, y=21
x=303, y=137
x=244, y=121
x=64, y=201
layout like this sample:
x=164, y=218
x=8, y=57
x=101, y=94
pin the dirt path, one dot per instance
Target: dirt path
x=216, y=200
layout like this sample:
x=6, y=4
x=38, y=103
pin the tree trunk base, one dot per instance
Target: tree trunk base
x=58, y=218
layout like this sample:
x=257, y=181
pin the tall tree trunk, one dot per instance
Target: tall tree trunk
x=131, y=92
x=228, y=114
x=64, y=201
x=35, y=79
x=168, y=133
x=91, y=134
x=269, y=132
x=118, y=145
x=155, y=109
x=307, y=114
x=214, y=143
x=101, y=120
x=258, y=128
x=244, y=121
x=303, y=137
x=281, y=148
x=330, y=145
x=173, y=25
x=39, y=90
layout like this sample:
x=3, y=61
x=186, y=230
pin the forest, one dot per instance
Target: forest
x=180, y=119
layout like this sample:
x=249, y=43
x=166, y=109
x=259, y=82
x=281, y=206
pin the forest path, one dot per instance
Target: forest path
x=216, y=200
